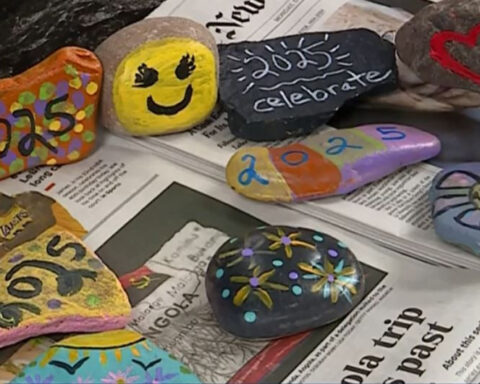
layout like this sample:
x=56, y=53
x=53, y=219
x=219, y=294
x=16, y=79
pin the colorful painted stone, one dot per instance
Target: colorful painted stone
x=161, y=76
x=54, y=284
x=115, y=357
x=289, y=86
x=455, y=196
x=277, y=281
x=440, y=44
x=48, y=113
x=332, y=162
x=25, y=216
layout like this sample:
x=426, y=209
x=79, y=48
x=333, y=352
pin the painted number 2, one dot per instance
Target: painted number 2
x=340, y=147
x=249, y=174
x=391, y=133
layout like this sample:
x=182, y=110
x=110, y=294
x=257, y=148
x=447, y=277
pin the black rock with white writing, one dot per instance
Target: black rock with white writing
x=289, y=86
x=277, y=281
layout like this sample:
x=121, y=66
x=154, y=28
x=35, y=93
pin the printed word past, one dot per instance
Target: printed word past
x=295, y=99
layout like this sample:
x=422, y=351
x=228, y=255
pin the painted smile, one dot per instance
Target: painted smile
x=173, y=109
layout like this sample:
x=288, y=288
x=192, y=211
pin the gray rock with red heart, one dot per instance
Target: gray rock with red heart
x=440, y=44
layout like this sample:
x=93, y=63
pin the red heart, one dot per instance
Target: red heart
x=438, y=51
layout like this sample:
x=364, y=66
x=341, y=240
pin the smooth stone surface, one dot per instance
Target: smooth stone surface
x=455, y=196
x=440, y=44
x=329, y=163
x=25, y=216
x=278, y=281
x=48, y=113
x=54, y=284
x=161, y=76
x=32, y=30
x=289, y=86
x=115, y=357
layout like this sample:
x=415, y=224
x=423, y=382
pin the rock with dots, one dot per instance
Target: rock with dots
x=278, y=281
x=289, y=86
x=48, y=114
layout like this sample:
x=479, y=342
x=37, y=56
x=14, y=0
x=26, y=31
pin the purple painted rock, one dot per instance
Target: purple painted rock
x=329, y=163
x=277, y=281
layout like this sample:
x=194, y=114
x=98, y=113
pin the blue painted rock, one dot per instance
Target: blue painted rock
x=54, y=284
x=289, y=86
x=455, y=196
x=113, y=357
x=277, y=281
x=329, y=163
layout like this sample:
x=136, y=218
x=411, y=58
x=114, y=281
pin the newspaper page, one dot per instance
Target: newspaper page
x=161, y=225
x=394, y=210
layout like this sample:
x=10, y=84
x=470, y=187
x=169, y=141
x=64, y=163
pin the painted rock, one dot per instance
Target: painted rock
x=289, y=86
x=25, y=216
x=113, y=357
x=53, y=24
x=330, y=163
x=455, y=196
x=440, y=44
x=278, y=281
x=48, y=113
x=54, y=284
x=161, y=76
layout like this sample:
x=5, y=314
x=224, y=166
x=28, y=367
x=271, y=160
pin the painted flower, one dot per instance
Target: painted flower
x=248, y=249
x=84, y=381
x=459, y=197
x=286, y=241
x=332, y=280
x=37, y=379
x=258, y=285
x=120, y=377
x=159, y=377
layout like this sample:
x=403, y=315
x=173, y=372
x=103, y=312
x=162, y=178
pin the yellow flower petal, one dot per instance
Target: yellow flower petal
x=264, y=297
x=317, y=287
x=241, y=295
x=333, y=293
x=265, y=276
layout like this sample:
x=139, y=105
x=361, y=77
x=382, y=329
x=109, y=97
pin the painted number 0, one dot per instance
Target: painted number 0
x=391, y=133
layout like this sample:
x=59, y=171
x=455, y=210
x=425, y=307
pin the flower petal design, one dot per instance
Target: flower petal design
x=242, y=295
x=339, y=267
x=277, y=286
x=444, y=203
x=309, y=268
x=264, y=297
x=265, y=276
x=333, y=293
x=288, y=251
x=317, y=287
x=304, y=244
x=271, y=236
x=239, y=279
x=229, y=253
x=469, y=218
x=457, y=179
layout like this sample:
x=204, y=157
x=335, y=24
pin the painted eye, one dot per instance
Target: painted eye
x=185, y=67
x=145, y=76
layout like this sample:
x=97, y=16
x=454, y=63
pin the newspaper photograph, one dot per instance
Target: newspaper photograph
x=416, y=323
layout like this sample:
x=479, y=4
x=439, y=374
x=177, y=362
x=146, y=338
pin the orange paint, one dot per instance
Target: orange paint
x=306, y=172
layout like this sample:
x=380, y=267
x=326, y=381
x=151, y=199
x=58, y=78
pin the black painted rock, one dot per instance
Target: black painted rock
x=32, y=30
x=440, y=44
x=289, y=86
x=278, y=281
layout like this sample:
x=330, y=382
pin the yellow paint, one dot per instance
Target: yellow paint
x=164, y=56
x=66, y=221
x=78, y=128
x=277, y=187
x=12, y=222
x=118, y=354
x=135, y=351
x=106, y=286
x=51, y=161
x=110, y=339
x=48, y=356
x=3, y=145
x=15, y=106
x=103, y=358
x=73, y=355
x=55, y=126
x=38, y=129
x=80, y=115
x=92, y=88
x=75, y=83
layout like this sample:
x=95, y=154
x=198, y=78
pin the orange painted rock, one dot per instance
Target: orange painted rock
x=48, y=113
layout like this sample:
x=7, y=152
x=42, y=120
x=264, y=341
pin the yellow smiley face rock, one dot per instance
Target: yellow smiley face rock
x=161, y=76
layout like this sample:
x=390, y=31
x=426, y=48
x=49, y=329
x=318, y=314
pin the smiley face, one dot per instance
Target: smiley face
x=164, y=86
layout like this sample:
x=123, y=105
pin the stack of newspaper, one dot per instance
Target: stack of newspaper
x=394, y=211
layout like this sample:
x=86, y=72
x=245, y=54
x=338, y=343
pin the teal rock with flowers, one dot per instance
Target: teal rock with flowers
x=278, y=281
x=115, y=357
x=455, y=197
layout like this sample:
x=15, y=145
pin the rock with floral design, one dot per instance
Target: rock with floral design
x=455, y=196
x=113, y=357
x=278, y=281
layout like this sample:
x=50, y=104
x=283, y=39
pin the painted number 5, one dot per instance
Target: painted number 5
x=391, y=133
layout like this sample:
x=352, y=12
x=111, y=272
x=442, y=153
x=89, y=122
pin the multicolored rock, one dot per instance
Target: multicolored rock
x=277, y=281
x=440, y=44
x=161, y=76
x=115, y=357
x=54, y=284
x=48, y=113
x=25, y=216
x=330, y=163
x=455, y=195
x=289, y=86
